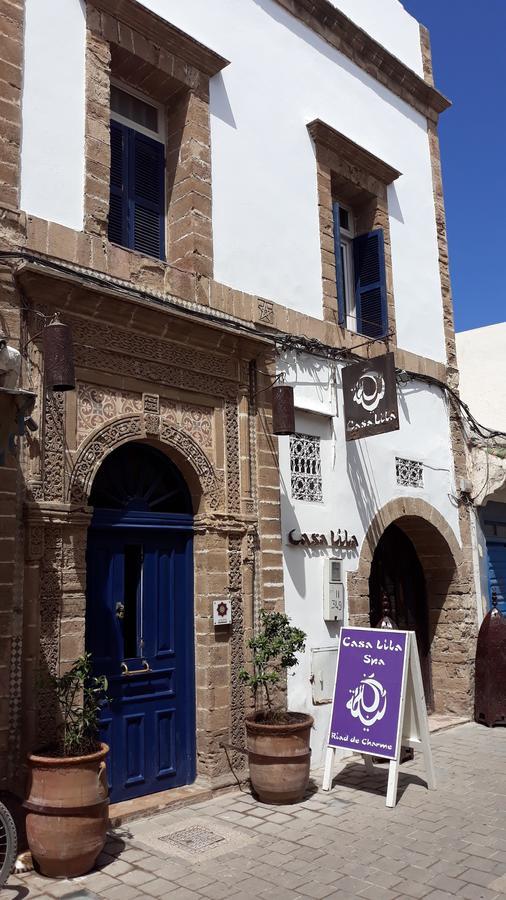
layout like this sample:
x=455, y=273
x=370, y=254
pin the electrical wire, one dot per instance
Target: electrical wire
x=282, y=341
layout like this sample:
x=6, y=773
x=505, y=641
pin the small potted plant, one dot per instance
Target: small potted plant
x=278, y=740
x=67, y=804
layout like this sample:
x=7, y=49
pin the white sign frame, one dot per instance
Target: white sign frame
x=412, y=728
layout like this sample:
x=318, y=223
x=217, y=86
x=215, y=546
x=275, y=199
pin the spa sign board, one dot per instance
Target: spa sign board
x=370, y=676
x=379, y=704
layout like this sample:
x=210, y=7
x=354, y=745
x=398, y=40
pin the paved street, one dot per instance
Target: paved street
x=438, y=845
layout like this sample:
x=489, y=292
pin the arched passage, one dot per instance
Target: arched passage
x=442, y=583
x=397, y=582
x=139, y=618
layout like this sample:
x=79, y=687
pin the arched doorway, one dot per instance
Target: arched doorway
x=396, y=572
x=139, y=618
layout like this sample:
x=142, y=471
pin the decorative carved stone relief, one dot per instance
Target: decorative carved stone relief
x=152, y=371
x=93, y=452
x=15, y=685
x=237, y=645
x=34, y=491
x=170, y=410
x=54, y=460
x=151, y=403
x=266, y=312
x=196, y=420
x=116, y=340
x=35, y=543
x=152, y=424
x=50, y=599
x=232, y=458
x=97, y=405
x=197, y=458
x=128, y=428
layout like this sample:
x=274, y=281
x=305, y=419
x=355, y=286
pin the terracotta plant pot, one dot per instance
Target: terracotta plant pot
x=67, y=817
x=279, y=758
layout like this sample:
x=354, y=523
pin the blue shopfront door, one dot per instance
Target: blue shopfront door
x=139, y=629
x=497, y=572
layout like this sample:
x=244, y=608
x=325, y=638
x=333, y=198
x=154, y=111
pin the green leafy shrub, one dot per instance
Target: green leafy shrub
x=274, y=650
x=78, y=694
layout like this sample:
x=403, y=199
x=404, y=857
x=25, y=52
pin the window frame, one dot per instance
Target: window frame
x=159, y=137
x=346, y=236
x=161, y=134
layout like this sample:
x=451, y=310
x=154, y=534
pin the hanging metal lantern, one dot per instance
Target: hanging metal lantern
x=283, y=409
x=490, y=671
x=58, y=357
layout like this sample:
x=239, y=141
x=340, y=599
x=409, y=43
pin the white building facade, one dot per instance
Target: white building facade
x=482, y=365
x=294, y=201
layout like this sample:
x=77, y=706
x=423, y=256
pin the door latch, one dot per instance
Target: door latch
x=120, y=610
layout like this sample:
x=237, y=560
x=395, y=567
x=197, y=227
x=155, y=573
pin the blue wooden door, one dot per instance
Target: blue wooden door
x=139, y=628
x=497, y=572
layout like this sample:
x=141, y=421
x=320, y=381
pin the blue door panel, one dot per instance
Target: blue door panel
x=149, y=721
x=497, y=572
x=165, y=743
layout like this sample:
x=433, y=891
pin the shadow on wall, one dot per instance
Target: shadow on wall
x=305, y=33
x=363, y=484
x=220, y=104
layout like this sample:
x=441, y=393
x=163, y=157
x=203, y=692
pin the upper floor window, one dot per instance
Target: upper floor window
x=360, y=275
x=137, y=183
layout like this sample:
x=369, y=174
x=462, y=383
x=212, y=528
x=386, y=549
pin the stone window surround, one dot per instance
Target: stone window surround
x=348, y=173
x=144, y=52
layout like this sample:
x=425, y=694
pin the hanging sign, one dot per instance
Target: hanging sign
x=378, y=703
x=370, y=397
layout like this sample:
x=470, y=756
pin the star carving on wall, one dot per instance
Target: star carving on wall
x=266, y=311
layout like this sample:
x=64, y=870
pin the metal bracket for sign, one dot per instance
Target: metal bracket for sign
x=413, y=726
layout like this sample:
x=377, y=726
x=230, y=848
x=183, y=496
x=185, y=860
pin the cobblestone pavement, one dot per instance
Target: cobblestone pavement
x=439, y=845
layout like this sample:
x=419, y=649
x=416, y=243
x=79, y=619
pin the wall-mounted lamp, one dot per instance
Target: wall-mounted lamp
x=58, y=356
x=283, y=409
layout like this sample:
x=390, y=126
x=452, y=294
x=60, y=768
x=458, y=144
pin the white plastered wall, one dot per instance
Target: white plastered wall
x=359, y=478
x=52, y=149
x=481, y=354
x=265, y=212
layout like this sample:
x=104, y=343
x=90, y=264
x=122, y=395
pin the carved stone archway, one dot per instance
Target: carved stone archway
x=195, y=465
x=450, y=598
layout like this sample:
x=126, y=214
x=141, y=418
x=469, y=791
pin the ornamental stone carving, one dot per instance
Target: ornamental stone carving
x=127, y=428
x=97, y=405
x=232, y=445
x=94, y=451
x=54, y=424
x=171, y=435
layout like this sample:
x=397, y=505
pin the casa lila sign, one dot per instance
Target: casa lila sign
x=370, y=397
x=368, y=692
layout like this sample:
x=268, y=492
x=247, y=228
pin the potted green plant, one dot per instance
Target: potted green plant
x=67, y=803
x=278, y=740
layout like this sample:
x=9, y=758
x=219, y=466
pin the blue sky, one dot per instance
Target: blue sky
x=468, y=50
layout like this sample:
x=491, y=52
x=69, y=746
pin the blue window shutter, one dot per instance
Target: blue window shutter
x=118, y=197
x=146, y=219
x=370, y=284
x=341, y=305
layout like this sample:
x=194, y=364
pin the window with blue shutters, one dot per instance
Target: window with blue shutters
x=137, y=183
x=360, y=276
x=370, y=283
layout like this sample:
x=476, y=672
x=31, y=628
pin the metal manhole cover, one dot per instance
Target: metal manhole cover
x=196, y=838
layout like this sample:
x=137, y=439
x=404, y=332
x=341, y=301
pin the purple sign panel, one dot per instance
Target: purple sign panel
x=368, y=689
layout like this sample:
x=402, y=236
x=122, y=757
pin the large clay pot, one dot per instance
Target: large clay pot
x=279, y=757
x=67, y=816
